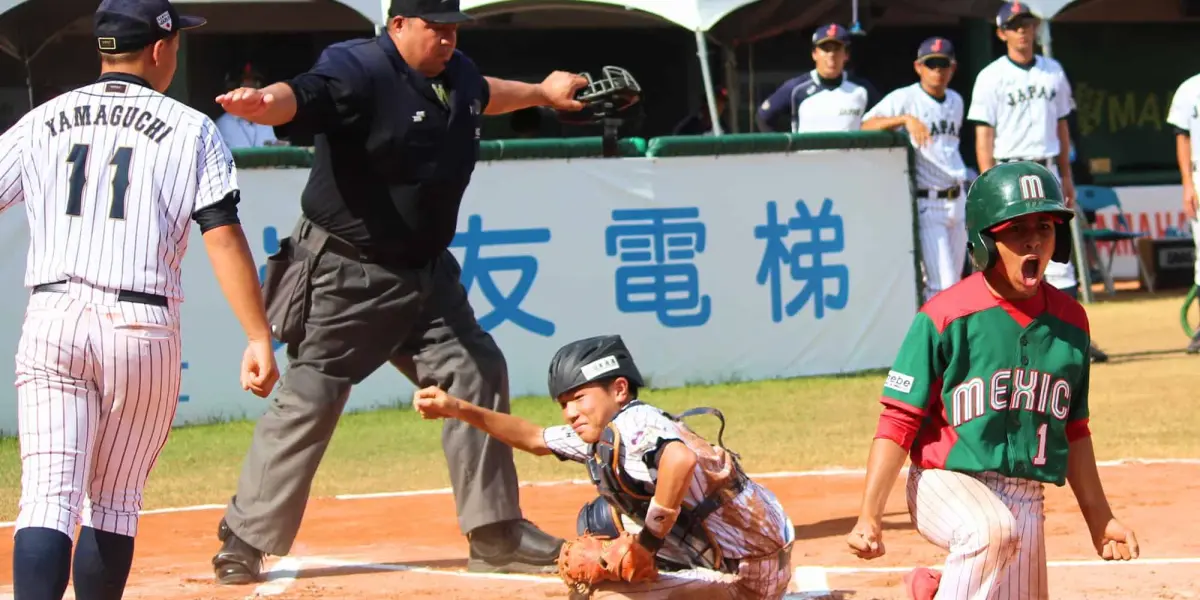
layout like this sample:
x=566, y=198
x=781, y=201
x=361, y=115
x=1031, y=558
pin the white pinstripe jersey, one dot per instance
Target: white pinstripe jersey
x=111, y=174
x=939, y=163
x=1184, y=113
x=753, y=524
x=1023, y=104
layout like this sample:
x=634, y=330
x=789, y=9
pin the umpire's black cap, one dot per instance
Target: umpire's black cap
x=129, y=25
x=434, y=11
x=592, y=359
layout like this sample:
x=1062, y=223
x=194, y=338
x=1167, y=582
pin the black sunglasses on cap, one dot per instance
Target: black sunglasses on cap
x=937, y=62
x=1020, y=22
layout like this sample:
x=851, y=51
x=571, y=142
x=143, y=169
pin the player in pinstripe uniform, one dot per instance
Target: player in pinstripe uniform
x=723, y=535
x=933, y=115
x=1020, y=104
x=111, y=174
x=1184, y=116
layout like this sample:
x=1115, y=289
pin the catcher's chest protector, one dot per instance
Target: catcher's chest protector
x=725, y=479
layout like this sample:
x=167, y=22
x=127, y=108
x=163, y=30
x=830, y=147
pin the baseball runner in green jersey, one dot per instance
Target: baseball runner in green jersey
x=989, y=397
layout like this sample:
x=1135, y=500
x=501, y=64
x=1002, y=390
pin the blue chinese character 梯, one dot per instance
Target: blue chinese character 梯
x=816, y=273
x=656, y=247
x=480, y=268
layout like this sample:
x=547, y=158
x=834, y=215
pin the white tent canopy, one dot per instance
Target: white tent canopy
x=699, y=16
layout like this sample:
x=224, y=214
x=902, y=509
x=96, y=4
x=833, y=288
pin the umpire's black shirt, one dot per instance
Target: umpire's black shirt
x=391, y=160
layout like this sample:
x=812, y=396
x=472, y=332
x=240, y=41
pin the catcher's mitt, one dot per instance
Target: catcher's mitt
x=588, y=561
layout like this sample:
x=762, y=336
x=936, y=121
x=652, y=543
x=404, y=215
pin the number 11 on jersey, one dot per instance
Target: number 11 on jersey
x=120, y=183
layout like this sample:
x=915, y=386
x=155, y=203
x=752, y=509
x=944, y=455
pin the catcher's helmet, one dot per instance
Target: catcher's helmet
x=1008, y=191
x=593, y=359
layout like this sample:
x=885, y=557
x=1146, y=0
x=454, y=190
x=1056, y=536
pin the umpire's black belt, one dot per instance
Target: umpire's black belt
x=946, y=194
x=123, y=295
x=1045, y=162
x=320, y=240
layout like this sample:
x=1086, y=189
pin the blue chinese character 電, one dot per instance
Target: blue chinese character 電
x=480, y=268
x=815, y=248
x=656, y=247
x=270, y=246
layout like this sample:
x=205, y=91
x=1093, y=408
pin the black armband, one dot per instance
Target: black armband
x=648, y=541
x=220, y=214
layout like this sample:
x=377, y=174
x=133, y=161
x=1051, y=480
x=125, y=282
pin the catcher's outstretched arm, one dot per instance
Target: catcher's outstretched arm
x=513, y=431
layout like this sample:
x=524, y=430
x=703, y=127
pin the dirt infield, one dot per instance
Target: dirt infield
x=408, y=546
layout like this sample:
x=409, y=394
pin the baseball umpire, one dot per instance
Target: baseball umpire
x=366, y=277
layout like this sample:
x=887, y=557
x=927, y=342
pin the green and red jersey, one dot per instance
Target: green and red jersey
x=985, y=384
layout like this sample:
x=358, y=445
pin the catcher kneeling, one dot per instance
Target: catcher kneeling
x=669, y=500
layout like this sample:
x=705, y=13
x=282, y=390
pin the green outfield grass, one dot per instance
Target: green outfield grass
x=1144, y=405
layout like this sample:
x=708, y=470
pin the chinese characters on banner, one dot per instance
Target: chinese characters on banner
x=804, y=259
x=656, y=248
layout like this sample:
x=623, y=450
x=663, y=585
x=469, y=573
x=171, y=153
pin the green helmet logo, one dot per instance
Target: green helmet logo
x=1008, y=191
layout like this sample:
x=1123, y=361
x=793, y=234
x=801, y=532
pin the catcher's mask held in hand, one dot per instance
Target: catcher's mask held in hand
x=604, y=98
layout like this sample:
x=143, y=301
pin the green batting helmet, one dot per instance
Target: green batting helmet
x=1008, y=191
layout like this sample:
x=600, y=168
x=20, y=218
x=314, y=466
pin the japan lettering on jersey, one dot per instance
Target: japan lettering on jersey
x=1002, y=387
x=1023, y=105
x=939, y=163
x=111, y=174
x=815, y=107
x=752, y=524
x=1184, y=114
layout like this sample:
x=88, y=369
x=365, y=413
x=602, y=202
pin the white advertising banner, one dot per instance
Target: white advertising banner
x=712, y=268
x=1153, y=209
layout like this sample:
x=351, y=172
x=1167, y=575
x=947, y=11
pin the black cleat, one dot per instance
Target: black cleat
x=1096, y=355
x=513, y=547
x=237, y=563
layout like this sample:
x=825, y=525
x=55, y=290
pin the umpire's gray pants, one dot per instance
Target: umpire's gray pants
x=362, y=316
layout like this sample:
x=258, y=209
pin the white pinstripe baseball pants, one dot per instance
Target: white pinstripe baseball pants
x=97, y=388
x=993, y=527
x=942, y=228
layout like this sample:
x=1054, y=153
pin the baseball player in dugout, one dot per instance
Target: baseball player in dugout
x=989, y=397
x=669, y=499
x=824, y=99
x=238, y=132
x=367, y=279
x=98, y=363
x=932, y=115
x=1020, y=105
x=1184, y=116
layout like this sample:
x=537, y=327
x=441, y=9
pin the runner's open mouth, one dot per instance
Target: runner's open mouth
x=1029, y=269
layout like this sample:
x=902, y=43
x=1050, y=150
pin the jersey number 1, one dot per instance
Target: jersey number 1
x=120, y=182
x=1042, y=430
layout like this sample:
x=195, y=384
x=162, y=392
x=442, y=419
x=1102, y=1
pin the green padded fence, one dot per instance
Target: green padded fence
x=592, y=147
x=757, y=143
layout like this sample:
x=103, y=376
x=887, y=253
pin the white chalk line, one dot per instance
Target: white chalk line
x=1096, y=562
x=280, y=577
x=831, y=472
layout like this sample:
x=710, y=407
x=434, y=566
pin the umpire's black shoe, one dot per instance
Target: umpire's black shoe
x=513, y=547
x=1096, y=355
x=237, y=563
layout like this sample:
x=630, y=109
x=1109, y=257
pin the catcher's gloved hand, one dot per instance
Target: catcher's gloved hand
x=588, y=561
x=606, y=97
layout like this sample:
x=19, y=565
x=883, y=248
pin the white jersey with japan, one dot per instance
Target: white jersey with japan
x=816, y=105
x=1023, y=104
x=1184, y=114
x=939, y=163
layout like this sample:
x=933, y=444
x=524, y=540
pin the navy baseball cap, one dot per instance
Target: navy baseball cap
x=129, y=25
x=831, y=33
x=434, y=11
x=936, y=47
x=1011, y=11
